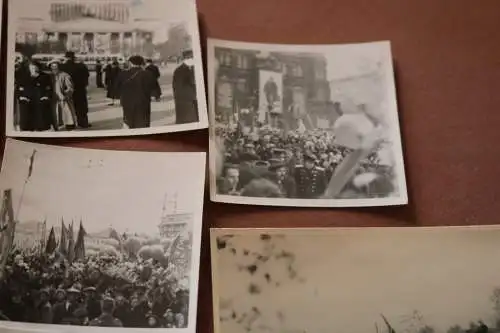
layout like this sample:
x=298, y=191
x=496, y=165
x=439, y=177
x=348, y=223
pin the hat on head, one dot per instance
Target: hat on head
x=249, y=145
x=90, y=289
x=231, y=166
x=45, y=291
x=278, y=151
x=54, y=61
x=187, y=54
x=70, y=55
x=136, y=60
x=309, y=157
x=73, y=290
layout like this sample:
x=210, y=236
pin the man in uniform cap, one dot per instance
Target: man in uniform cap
x=92, y=303
x=248, y=153
x=279, y=173
x=79, y=74
x=63, y=311
x=136, y=86
x=184, y=86
x=106, y=319
x=311, y=180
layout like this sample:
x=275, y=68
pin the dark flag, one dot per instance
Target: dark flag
x=32, y=160
x=71, y=243
x=113, y=234
x=62, y=243
x=80, y=243
x=390, y=329
x=51, y=242
x=44, y=236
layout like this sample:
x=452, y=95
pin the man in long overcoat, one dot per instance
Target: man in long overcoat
x=80, y=75
x=150, y=66
x=184, y=86
x=34, y=92
x=136, y=86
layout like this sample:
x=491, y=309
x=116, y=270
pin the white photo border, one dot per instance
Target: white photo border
x=194, y=30
x=397, y=149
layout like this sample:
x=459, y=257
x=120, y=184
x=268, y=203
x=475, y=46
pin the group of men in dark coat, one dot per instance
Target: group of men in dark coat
x=134, y=87
x=34, y=94
x=137, y=85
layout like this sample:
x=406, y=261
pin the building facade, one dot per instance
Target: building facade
x=304, y=81
x=174, y=224
x=96, y=27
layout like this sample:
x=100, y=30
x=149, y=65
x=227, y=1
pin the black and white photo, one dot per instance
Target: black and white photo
x=103, y=68
x=93, y=238
x=394, y=280
x=304, y=125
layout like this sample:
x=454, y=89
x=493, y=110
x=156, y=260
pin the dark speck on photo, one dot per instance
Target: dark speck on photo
x=254, y=289
x=221, y=244
x=265, y=237
x=252, y=269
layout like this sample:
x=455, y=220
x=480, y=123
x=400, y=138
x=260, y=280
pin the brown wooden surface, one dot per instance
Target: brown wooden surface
x=447, y=60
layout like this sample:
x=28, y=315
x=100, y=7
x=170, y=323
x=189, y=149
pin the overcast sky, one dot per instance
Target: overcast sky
x=345, y=61
x=122, y=189
x=351, y=278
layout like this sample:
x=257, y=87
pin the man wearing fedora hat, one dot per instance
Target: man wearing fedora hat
x=63, y=311
x=311, y=180
x=79, y=74
x=184, y=86
x=136, y=86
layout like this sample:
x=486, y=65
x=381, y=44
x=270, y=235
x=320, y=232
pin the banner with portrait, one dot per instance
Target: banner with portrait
x=270, y=91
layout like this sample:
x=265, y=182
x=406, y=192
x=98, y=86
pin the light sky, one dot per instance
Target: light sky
x=165, y=12
x=125, y=190
x=352, y=277
x=354, y=59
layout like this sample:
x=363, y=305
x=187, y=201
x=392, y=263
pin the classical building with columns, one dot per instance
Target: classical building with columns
x=93, y=26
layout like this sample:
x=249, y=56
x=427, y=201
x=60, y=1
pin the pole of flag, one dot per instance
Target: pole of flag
x=7, y=237
x=30, y=172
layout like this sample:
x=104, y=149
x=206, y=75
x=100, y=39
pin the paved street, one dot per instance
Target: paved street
x=105, y=117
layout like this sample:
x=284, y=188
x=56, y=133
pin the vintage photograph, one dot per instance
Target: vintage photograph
x=304, y=125
x=98, y=238
x=394, y=280
x=103, y=68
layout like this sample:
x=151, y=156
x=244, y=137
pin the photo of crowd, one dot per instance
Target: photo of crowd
x=100, y=289
x=288, y=125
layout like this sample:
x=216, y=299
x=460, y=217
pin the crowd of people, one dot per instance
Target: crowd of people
x=54, y=96
x=100, y=291
x=295, y=164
